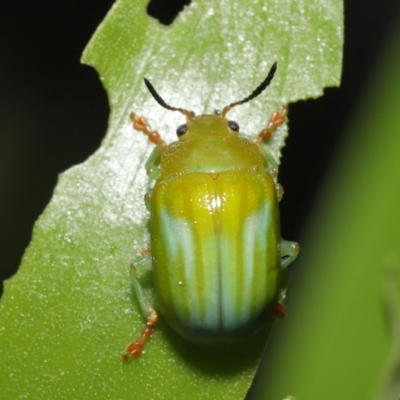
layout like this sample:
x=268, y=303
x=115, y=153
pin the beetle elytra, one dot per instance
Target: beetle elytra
x=217, y=258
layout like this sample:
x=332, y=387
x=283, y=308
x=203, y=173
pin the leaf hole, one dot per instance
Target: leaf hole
x=165, y=11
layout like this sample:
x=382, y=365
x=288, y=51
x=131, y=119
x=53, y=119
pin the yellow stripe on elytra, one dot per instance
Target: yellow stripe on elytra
x=217, y=247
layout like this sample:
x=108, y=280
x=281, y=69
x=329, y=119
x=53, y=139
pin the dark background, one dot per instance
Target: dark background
x=53, y=110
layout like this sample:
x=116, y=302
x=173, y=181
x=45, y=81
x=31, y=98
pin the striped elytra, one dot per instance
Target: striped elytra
x=216, y=258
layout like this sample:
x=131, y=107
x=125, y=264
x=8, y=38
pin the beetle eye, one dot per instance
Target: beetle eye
x=217, y=112
x=234, y=126
x=181, y=130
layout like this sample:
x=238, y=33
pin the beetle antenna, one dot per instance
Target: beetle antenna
x=256, y=91
x=162, y=103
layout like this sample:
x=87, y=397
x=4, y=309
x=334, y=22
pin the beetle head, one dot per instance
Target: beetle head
x=210, y=120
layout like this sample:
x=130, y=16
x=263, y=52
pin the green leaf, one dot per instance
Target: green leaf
x=68, y=314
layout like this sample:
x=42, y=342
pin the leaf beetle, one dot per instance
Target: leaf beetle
x=217, y=259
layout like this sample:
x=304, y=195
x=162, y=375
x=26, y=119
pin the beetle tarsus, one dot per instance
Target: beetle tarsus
x=279, y=310
x=276, y=119
x=141, y=124
x=135, y=348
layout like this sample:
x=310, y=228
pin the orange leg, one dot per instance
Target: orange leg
x=276, y=120
x=279, y=310
x=140, y=269
x=141, y=124
x=135, y=348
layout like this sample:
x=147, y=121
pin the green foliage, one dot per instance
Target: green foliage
x=69, y=312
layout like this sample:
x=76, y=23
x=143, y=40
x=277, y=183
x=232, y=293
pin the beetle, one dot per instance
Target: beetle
x=217, y=258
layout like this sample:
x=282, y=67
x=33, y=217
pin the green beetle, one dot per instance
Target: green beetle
x=217, y=257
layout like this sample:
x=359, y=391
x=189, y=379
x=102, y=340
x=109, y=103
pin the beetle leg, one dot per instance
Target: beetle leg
x=140, y=270
x=152, y=164
x=147, y=200
x=279, y=308
x=279, y=191
x=289, y=251
x=275, y=120
x=141, y=124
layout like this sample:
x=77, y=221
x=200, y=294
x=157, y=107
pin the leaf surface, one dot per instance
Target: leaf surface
x=67, y=315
